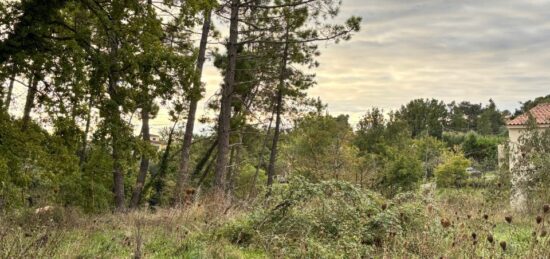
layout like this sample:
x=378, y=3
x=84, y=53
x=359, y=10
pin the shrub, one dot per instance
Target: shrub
x=452, y=172
x=330, y=219
x=403, y=172
x=480, y=148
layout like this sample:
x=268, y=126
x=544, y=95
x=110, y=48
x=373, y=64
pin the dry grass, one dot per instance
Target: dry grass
x=183, y=232
x=463, y=224
x=456, y=224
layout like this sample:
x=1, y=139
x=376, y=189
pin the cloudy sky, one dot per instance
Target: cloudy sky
x=446, y=49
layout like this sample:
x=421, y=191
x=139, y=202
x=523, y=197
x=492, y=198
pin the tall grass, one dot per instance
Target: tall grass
x=328, y=220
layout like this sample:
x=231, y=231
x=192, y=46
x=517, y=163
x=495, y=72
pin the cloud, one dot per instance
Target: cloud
x=445, y=49
x=450, y=50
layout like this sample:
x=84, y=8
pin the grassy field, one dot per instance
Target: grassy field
x=330, y=220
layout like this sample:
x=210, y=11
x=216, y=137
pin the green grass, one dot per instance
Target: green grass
x=209, y=231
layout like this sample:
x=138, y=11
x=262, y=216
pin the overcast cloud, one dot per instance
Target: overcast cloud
x=446, y=49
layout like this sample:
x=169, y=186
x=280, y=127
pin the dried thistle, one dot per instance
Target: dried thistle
x=485, y=216
x=539, y=219
x=503, y=245
x=445, y=223
x=508, y=219
x=543, y=233
x=474, y=236
x=546, y=208
x=490, y=238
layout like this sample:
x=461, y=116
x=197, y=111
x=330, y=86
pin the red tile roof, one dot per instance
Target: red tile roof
x=541, y=113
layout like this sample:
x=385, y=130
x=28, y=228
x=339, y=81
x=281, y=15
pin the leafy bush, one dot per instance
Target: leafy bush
x=403, y=172
x=34, y=166
x=452, y=172
x=480, y=148
x=327, y=219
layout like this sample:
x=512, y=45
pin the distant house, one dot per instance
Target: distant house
x=157, y=142
x=516, y=128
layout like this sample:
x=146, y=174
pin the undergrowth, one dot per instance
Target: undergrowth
x=301, y=219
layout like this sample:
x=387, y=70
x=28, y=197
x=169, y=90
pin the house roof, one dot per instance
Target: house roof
x=541, y=113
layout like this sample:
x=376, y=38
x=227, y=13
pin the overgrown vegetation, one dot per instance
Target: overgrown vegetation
x=270, y=174
x=329, y=219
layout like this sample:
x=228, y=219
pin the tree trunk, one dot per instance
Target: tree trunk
x=261, y=156
x=190, y=124
x=276, y=134
x=224, y=121
x=205, y=173
x=230, y=169
x=200, y=165
x=158, y=183
x=144, y=165
x=29, y=103
x=9, y=93
x=116, y=128
x=278, y=110
x=118, y=176
x=82, y=155
x=236, y=164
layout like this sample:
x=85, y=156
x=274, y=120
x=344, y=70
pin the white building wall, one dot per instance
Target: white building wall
x=518, y=197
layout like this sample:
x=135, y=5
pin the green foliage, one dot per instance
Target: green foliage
x=331, y=218
x=491, y=121
x=483, y=149
x=320, y=147
x=424, y=117
x=34, y=166
x=429, y=150
x=452, y=172
x=402, y=172
x=245, y=180
x=371, y=132
x=532, y=167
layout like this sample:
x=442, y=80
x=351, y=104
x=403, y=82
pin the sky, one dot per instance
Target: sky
x=445, y=49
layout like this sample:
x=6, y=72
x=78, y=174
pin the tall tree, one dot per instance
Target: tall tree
x=491, y=120
x=224, y=118
x=194, y=97
x=424, y=117
x=370, y=132
x=300, y=28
